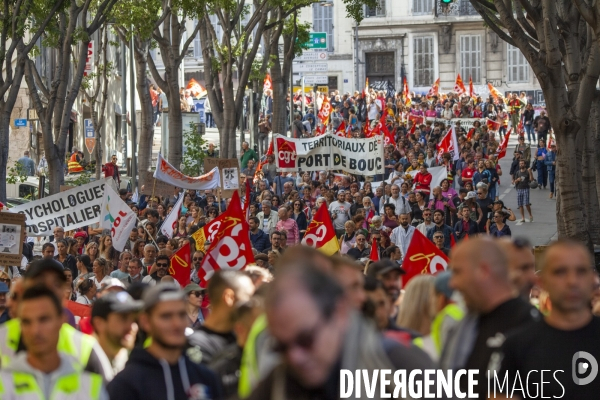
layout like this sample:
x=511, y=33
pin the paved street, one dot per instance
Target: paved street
x=543, y=228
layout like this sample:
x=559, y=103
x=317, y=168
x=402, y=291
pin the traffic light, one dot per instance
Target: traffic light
x=447, y=1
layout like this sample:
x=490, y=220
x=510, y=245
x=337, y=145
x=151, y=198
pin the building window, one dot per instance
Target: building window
x=323, y=22
x=470, y=57
x=423, y=61
x=377, y=11
x=423, y=6
x=518, y=68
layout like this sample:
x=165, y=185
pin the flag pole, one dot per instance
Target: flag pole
x=149, y=235
x=153, y=187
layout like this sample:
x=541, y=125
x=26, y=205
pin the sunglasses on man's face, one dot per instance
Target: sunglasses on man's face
x=197, y=258
x=196, y=293
x=162, y=265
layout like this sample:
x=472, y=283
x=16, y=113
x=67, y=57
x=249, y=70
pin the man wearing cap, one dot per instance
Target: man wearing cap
x=163, y=371
x=113, y=321
x=193, y=306
x=44, y=371
x=83, y=348
x=448, y=315
x=3, y=306
x=389, y=273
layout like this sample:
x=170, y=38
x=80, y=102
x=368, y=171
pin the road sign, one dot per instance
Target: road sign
x=311, y=67
x=90, y=136
x=318, y=40
x=316, y=80
x=20, y=123
x=313, y=56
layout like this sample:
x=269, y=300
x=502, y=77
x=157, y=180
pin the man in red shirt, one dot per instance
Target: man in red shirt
x=111, y=170
x=423, y=181
x=467, y=174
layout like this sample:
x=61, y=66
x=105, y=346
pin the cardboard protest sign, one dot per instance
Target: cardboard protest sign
x=12, y=234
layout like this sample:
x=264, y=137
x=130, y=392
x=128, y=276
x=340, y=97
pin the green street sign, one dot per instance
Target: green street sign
x=318, y=40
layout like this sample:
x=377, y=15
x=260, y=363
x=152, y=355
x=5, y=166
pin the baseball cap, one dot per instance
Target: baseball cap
x=112, y=283
x=4, y=288
x=120, y=302
x=162, y=292
x=341, y=191
x=471, y=195
x=383, y=267
x=192, y=287
x=442, y=284
x=40, y=267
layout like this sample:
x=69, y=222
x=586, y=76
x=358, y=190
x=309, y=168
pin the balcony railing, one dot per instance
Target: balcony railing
x=457, y=9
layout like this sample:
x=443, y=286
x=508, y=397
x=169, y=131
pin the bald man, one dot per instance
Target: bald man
x=480, y=274
x=565, y=342
x=521, y=265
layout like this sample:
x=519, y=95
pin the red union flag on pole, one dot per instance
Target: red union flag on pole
x=268, y=83
x=503, y=145
x=459, y=86
x=325, y=111
x=449, y=144
x=435, y=90
x=472, y=93
x=181, y=263
x=406, y=93
x=169, y=226
x=320, y=233
x=196, y=89
x=341, y=130
x=422, y=257
x=492, y=125
x=374, y=256
x=495, y=93
x=231, y=248
x=388, y=138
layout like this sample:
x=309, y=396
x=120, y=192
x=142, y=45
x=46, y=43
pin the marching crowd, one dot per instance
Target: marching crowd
x=285, y=325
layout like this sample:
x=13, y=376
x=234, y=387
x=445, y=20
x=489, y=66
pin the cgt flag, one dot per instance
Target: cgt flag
x=181, y=263
x=435, y=90
x=268, y=83
x=374, y=256
x=459, y=86
x=118, y=217
x=503, y=146
x=422, y=257
x=324, y=112
x=320, y=233
x=208, y=232
x=231, y=248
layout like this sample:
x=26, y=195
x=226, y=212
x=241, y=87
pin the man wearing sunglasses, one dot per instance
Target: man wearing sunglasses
x=158, y=270
x=196, y=263
x=317, y=332
x=194, y=295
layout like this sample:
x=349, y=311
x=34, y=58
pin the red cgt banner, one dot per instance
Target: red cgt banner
x=422, y=257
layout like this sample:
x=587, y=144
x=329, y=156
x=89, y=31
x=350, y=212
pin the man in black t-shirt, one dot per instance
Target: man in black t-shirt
x=226, y=289
x=522, y=178
x=564, y=345
x=480, y=274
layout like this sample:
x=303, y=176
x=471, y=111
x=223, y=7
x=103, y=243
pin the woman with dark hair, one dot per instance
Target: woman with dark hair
x=172, y=244
x=138, y=248
x=212, y=213
x=107, y=251
x=152, y=232
x=66, y=259
x=181, y=230
x=299, y=216
x=69, y=292
x=275, y=202
x=142, y=234
x=84, y=266
x=390, y=220
x=87, y=291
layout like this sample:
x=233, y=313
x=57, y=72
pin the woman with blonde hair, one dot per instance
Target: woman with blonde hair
x=417, y=310
x=107, y=251
x=92, y=251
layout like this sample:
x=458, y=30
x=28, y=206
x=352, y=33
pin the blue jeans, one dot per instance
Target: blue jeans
x=542, y=173
x=492, y=190
x=530, y=132
x=551, y=179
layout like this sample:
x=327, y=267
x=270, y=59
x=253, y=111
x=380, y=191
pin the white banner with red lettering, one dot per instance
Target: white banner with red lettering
x=167, y=173
x=329, y=153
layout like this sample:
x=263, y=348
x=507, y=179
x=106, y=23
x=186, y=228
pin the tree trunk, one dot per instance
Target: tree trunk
x=98, y=152
x=231, y=119
x=146, y=137
x=588, y=176
x=175, y=122
x=4, y=145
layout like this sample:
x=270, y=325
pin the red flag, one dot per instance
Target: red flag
x=366, y=89
x=470, y=134
x=320, y=233
x=405, y=93
x=374, y=256
x=324, y=112
x=503, y=145
x=268, y=83
x=472, y=93
x=452, y=241
x=79, y=310
x=495, y=93
x=388, y=138
x=413, y=128
x=417, y=119
x=459, y=86
x=550, y=141
x=448, y=144
x=341, y=130
x=435, y=90
x=231, y=248
x=270, y=151
x=422, y=257
x=320, y=130
x=181, y=265
x=492, y=125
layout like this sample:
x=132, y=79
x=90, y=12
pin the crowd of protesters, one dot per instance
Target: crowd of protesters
x=285, y=325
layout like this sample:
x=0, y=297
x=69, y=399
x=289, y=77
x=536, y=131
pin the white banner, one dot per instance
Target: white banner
x=330, y=153
x=70, y=210
x=165, y=172
x=170, y=223
x=117, y=217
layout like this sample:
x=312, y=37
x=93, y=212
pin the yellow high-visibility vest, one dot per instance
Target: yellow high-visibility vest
x=75, y=386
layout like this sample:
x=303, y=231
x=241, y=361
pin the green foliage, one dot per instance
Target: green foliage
x=16, y=173
x=195, y=147
x=80, y=179
x=302, y=34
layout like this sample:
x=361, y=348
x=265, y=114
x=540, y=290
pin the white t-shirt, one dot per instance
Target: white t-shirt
x=340, y=214
x=373, y=111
